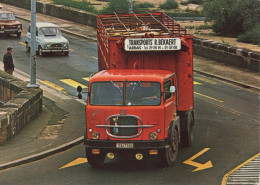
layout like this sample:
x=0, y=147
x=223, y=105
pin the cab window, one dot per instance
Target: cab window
x=167, y=93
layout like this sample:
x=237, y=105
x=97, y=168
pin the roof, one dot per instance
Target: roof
x=46, y=24
x=131, y=75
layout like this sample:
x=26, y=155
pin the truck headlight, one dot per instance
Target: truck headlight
x=48, y=45
x=153, y=136
x=19, y=26
x=2, y=27
x=95, y=135
x=65, y=44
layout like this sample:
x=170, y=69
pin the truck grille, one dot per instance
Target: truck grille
x=124, y=121
x=10, y=27
x=57, y=45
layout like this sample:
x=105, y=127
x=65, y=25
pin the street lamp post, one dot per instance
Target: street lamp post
x=130, y=6
x=32, y=83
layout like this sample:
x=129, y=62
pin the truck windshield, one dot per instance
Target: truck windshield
x=7, y=16
x=107, y=93
x=49, y=31
x=143, y=93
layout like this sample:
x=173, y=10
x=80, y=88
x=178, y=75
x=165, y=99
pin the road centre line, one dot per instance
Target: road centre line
x=22, y=43
x=86, y=78
x=54, y=86
x=225, y=178
x=208, y=97
x=73, y=83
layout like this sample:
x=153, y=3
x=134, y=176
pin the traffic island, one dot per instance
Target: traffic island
x=20, y=105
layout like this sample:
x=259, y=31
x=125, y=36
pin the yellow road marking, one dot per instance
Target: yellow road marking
x=75, y=162
x=78, y=64
x=206, y=80
x=87, y=79
x=197, y=83
x=73, y=83
x=224, y=180
x=54, y=86
x=22, y=43
x=198, y=165
x=71, y=49
x=95, y=58
x=208, y=97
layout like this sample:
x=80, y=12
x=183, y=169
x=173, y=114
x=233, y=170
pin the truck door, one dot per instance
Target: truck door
x=169, y=103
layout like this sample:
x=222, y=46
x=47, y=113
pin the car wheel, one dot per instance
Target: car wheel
x=40, y=51
x=18, y=35
x=168, y=156
x=66, y=53
x=27, y=47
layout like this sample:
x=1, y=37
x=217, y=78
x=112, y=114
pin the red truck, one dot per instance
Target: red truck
x=140, y=103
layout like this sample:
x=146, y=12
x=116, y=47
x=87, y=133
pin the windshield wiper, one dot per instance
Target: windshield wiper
x=134, y=88
x=116, y=86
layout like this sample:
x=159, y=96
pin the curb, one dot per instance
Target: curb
x=42, y=155
x=228, y=80
x=63, y=30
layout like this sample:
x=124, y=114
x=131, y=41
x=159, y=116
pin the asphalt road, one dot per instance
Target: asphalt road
x=226, y=117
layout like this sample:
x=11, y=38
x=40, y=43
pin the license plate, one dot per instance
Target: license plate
x=125, y=145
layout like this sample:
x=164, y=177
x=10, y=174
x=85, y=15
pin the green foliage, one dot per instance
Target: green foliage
x=232, y=17
x=251, y=36
x=204, y=27
x=184, y=2
x=185, y=14
x=143, y=5
x=116, y=6
x=169, y=4
x=84, y=5
x=196, y=1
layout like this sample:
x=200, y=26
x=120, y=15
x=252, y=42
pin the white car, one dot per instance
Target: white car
x=48, y=39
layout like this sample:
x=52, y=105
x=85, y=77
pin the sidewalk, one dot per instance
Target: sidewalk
x=56, y=124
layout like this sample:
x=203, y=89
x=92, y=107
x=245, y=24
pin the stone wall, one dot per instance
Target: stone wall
x=228, y=54
x=60, y=11
x=22, y=104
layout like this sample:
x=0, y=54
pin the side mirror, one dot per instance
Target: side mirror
x=172, y=89
x=79, y=89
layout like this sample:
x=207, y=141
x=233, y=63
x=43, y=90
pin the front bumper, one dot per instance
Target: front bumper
x=11, y=31
x=55, y=51
x=139, y=146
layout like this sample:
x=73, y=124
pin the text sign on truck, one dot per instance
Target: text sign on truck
x=152, y=44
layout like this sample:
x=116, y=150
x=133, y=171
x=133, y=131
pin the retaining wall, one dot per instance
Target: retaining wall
x=22, y=104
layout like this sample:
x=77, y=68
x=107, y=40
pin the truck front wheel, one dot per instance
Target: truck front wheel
x=168, y=156
x=96, y=161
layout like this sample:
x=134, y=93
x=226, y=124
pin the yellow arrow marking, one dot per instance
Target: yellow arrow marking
x=54, y=86
x=198, y=165
x=87, y=79
x=75, y=162
x=197, y=83
x=22, y=43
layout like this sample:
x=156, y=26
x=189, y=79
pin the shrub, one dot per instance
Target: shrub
x=116, y=6
x=84, y=5
x=169, y=4
x=251, y=36
x=232, y=17
x=204, y=27
x=196, y=1
x=143, y=5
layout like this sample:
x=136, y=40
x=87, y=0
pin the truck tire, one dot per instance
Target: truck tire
x=187, y=124
x=168, y=156
x=96, y=161
x=18, y=35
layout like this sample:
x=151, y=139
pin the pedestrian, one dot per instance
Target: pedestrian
x=8, y=61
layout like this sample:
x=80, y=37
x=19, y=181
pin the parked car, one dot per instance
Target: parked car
x=8, y=24
x=48, y=39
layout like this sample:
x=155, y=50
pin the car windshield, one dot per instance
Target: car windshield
x=107, y=93
x=7, y=16
x=49, y=31
x=143, y=93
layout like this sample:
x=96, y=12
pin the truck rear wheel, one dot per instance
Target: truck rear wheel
x=168, y=156
x=187, y=124
x=96, y=161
